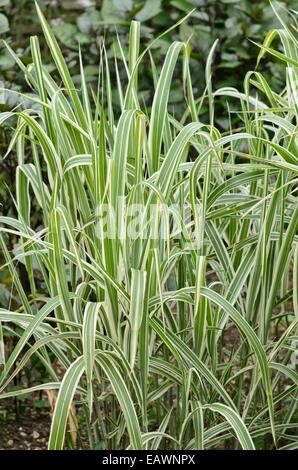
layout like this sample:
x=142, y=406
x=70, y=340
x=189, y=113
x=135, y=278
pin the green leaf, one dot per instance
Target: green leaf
x=4, y=25
x=63, y=404
x=150, y=9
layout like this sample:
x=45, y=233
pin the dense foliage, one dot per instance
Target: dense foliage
x=234, y=22
x=178, y=331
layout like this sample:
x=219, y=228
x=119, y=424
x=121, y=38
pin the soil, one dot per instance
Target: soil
x=25, y=429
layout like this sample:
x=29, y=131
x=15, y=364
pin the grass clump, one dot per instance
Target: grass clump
x=163, y=274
